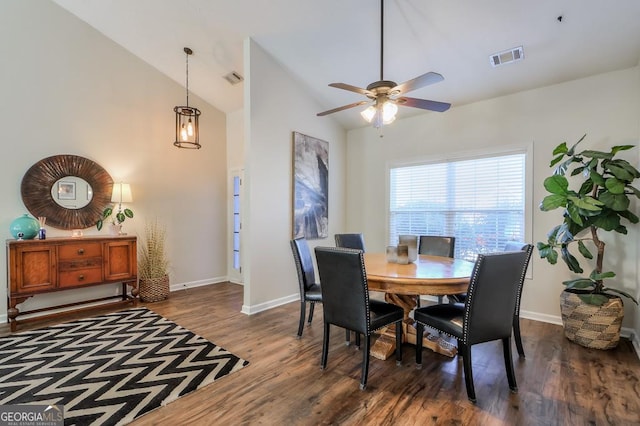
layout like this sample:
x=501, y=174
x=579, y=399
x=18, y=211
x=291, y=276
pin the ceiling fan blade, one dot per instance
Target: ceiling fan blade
x=352, y=88
x=331, y=111
x=418, y=82
x=423, y=104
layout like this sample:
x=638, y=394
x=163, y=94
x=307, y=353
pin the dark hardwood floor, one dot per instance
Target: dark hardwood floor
x=560, y=383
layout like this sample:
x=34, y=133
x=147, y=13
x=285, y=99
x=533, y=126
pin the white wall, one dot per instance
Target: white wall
x=606, y=107
x=637, y=315
x=276, y=105
x=67, y=89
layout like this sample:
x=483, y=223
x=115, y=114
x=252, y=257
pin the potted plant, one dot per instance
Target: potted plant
x=153, y=264
x=591, y=311
x=115, y=219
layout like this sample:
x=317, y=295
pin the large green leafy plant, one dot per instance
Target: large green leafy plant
x=601, y=203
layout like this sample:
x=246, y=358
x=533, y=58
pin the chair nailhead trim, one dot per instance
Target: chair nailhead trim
x=467, y=305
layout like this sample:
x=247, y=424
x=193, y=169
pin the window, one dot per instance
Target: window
x=480, y=201
x=236, y=222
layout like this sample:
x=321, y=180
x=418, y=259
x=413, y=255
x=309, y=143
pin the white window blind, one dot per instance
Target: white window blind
x=480, y=201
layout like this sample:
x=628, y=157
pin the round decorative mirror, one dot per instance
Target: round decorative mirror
x=69, y=190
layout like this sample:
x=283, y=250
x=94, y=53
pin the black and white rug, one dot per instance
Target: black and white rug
x=109, y=369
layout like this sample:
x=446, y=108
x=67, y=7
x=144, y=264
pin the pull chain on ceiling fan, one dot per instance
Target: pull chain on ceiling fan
x=387, y=95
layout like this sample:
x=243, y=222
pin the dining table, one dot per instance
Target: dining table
x=403, y=284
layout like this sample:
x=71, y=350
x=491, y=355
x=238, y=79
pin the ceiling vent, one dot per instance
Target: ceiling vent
x=233, y=78
x=506, y=57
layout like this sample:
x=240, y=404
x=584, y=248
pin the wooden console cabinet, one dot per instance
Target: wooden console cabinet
x=67, y=264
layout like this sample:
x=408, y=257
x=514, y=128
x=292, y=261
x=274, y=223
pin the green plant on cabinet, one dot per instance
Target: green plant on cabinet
x=116, y=219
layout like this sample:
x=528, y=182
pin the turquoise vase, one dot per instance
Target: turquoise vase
x=25, y=227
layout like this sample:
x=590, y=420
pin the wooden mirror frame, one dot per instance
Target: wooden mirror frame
x=40, y=178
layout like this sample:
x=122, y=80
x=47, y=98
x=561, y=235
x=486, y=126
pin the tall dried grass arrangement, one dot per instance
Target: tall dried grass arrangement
x=152, y=262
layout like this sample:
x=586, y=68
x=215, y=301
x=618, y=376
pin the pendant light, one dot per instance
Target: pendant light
x=187, y=123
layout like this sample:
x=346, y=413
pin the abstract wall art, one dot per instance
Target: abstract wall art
x=310, y=187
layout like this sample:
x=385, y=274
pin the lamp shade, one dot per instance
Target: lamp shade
x=121, y=193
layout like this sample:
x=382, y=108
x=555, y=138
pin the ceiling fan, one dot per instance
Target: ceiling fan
x=386, y=94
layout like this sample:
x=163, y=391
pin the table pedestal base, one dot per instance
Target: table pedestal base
x=385, y=346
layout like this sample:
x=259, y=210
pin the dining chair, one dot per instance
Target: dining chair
x=352, y=241
x=435, y=245
x=346, y=302
x=510, y=246
x=310, y=290
x=487, y=315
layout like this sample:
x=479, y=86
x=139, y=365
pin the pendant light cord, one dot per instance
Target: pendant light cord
x=188, y=52
x=381, y=38
x=187, y=78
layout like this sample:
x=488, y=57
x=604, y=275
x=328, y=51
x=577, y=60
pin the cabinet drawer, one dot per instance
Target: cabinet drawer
x=80, y=250
x=75, y=264
x=80, y=277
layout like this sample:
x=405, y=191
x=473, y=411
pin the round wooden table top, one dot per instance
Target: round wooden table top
x=432, y=275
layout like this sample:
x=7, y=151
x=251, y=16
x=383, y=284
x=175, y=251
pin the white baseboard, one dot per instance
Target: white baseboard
x=254, y=309
x=199, y=283
x=551, y=319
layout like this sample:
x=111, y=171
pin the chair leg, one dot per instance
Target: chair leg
x=357, y=339
x=365, y=362
x=516, y=335
x=347, y=338
x=311, y=312
x=399, y=343
x=419, y=333
x=325, y=346
x=303, y=313
x=440, y=299
x=465, y=351
x=508, y=364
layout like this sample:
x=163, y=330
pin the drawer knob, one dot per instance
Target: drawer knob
x=80, y=277
x=80, y=251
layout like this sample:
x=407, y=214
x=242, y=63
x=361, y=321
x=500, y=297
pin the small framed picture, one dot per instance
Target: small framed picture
x=66, y=190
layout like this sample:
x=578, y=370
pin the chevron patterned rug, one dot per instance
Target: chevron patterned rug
x=109, y=369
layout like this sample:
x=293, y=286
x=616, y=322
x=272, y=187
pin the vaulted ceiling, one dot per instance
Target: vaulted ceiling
x=324, y=41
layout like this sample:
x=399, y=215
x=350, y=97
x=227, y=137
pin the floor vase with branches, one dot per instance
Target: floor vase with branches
x=153, y=264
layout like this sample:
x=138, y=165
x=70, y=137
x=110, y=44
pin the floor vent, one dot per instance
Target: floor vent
x=506, y=57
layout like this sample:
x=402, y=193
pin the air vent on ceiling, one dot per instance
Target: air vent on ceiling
x=233, y=77
x=506, y=57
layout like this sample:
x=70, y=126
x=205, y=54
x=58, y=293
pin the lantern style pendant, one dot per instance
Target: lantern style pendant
x=187, y=119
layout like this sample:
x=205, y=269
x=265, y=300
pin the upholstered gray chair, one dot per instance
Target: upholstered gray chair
x=487, y=315
x=310, y=290
x=435, y=245
x=346, y=302
x=352, y=241
x=510, y=246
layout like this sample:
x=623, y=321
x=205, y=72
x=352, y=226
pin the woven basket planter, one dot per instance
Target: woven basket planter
x=154, y=290
x=596, y=327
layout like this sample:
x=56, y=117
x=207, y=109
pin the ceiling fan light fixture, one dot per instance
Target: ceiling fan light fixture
x=389, y=111
x=369, y=113
x=386, y=94
x=380, y=114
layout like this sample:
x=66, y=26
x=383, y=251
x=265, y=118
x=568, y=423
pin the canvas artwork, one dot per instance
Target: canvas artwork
x=310, y=187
